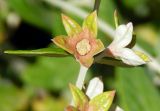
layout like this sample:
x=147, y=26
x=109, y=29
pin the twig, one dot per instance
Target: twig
x=103, y=26
x=96, y=5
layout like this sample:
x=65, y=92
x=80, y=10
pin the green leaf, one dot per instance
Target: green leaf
x=91, y=23
x=105, y=13
x=61, y=41
x=58, y=28
x=51, y=51
x=147, y=37
x=48, y=103
x=71, y=26
x=102, y=102
x=79, y=98
x=136, y=90
x=34, y=12
x=51, y=73
x=11, y=98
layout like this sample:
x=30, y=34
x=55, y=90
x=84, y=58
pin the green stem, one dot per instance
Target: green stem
x=96, y=5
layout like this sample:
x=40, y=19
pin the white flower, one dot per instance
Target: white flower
x=95, y=87
x=118, y=48
x=118, y=109
x=123, y=36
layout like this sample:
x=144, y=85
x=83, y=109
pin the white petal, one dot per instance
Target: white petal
x=118, y=109
x=95, y=87
x=129, y=57
x=123, y=35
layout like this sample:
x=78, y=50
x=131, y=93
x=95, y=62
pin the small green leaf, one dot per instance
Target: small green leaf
x=91, y=23
x=102, y=102
x=79, y=98
x=61, y=41
x=71, y=26
x=53, y=52
x=116, y=18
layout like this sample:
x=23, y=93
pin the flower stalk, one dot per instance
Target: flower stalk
x=81, y=76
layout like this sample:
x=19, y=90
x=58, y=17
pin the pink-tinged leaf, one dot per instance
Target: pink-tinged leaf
x=95, y=88
x=91, y=23
x=79, y=98
x=71, y=26
x=102, y=102
x=86, y=61
x=100, y=47
x=62, y=43
x=123, y=36
x=71, y=108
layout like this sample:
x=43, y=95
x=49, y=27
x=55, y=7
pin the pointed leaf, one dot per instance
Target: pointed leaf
x=116, y=20
x=53, y=52
x=91, y=23
x=102, y=102
x=61, y=41
x=71, y=108
x=79, y=98
x=71, y=26
x=95, y=88
x=100, y=46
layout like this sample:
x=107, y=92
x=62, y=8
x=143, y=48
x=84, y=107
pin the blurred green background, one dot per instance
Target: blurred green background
x=41, y=83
